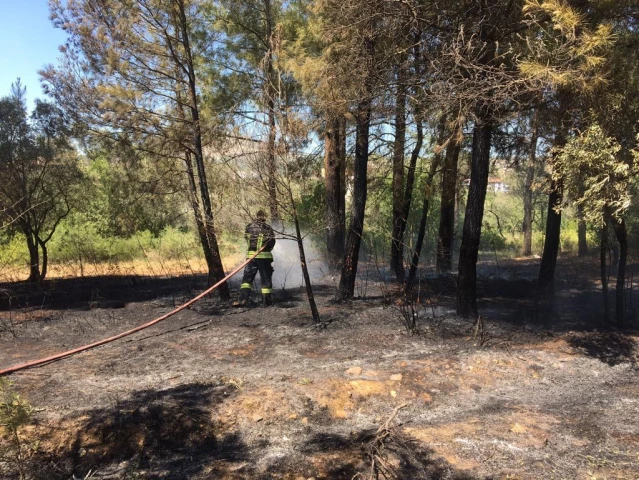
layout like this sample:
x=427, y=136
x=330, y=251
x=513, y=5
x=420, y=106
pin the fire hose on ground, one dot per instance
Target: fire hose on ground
x=68, y=353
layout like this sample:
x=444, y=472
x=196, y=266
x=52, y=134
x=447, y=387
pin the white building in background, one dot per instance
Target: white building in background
x=494, y=185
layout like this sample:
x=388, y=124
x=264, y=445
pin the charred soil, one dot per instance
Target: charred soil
x=543, y=390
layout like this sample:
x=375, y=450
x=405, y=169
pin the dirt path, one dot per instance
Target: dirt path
x=258, y=393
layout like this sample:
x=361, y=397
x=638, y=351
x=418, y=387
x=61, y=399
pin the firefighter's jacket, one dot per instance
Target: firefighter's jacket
x=258, y=234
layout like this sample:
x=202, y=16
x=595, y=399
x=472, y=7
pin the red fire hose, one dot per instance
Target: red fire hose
x=58, y=356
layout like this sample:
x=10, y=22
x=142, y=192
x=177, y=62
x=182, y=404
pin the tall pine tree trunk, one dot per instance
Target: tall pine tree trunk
x=334, y=194
x=399, y=146
x=527, y=224
x=421, y=232
x=546, y=278
x=410, y=176
x=300, y=246
x=197, y=212
x=581, y=233
x=45, y=258
x=216, y=269
x=346, y=287
x=270, y=92
x=34, y=257
x=446, y=231
x=414, y=156
x=621, y=233
x=469, y=250
x=603, y=270
x=581, y=227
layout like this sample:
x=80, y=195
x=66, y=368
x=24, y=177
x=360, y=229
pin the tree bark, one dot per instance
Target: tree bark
x=546, y=278
x=45, y=259
x=412, y=272
x=307, y=278
x=341, y=150
x=270, y=92
x=446, y=231
x=581, y=233
x=346, y=287
x=469, y=250
x=216, y=268
x=603, y=270
x=621, y=232
x=527, y=224
x=399, y=146
x=417, y=148
x=34, y=257
x=197, y=212
x=334, y=194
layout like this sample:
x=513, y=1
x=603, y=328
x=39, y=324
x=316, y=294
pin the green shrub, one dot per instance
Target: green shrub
x=15, y=413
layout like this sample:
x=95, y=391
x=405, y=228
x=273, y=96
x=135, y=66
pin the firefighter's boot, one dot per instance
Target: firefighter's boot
x=267, y=299
x=243, y=299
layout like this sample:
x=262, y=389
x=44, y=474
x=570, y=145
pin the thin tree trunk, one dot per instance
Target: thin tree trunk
x=469, y=250
x=192, y=192
x=346, y=287
x=399, y=146
x=417, y=148
x=527, y=225
x=307, y=278
x=603, y=270
x=546, y=277
x=34, y=257
x=621, y=232
x=270, y=92
x=197, y=211
x=581, y=226
x=45, y=259
x=422, y=225
x=447, y=212
x=217, y=272
x=581, y=232
x=341, y=150
x=334, y=194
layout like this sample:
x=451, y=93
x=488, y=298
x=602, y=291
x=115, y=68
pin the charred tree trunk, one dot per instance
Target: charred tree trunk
x=197, y=211
x=216, y=269
x=581, y=232
x=410, y=176
x=447, y=213
x=45, y=259
x=527, y=225
x=341, y=150
x=334, y=194
x=603, y=270
x=346, y=287
x=546, y=277
x=469, y=250
x=399, y=146
x=34, y=257
x=581, y=224
x=307, y=278
x=270, y=93
x=412, y=272
x=621, y=233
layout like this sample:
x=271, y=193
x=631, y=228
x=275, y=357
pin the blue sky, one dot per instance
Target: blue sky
x=28, y=42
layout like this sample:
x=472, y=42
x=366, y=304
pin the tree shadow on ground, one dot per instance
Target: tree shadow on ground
x=401, y=455
x=106, y=291
x=165, y=434
x=610, y=348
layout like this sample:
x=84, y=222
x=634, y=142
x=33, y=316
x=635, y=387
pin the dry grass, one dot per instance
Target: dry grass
x=151, y=266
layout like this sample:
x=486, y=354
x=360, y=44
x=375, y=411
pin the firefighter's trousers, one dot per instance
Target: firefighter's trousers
x=265, y=267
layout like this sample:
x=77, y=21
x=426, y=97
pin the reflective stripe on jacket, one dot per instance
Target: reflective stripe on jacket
x=258, y=234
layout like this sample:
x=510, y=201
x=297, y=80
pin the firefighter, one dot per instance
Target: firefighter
x=258, y=234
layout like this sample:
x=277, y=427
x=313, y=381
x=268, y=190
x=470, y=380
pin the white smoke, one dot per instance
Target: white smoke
x=286, y=263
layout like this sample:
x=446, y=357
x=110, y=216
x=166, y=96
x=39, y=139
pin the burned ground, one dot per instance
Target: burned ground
x=216, y=392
